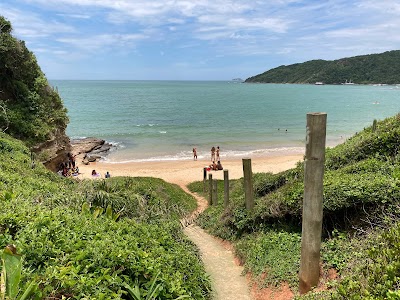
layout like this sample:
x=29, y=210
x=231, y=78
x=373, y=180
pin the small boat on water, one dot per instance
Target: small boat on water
x=348, y=82
x=319, y=83
x=237, y=80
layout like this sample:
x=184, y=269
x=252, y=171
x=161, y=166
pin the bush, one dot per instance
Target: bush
x=80, y=253
x=273, y=254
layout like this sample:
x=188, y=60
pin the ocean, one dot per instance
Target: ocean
x=165, y=120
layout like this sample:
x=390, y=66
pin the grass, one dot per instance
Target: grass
x=361, y=189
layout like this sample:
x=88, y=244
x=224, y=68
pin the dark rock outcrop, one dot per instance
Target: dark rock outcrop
x=53, y=152
x=93, y=149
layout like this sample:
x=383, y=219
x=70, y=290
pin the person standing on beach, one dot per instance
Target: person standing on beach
x=213, y=153
x=217, y=158
x=71, y=160
x=194, y=154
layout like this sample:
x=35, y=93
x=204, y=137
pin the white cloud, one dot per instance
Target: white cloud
x=28, y=25
x=75, y=16
x=102, y=41
x=275, y=30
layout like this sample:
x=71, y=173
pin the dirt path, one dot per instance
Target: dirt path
x=226, y=277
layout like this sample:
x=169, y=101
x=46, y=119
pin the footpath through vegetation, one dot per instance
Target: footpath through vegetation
x=227, y=278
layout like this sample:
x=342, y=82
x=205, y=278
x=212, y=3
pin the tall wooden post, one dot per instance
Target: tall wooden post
x=204, y=179
x=215, y=192
x=210, y=188
x=226, y=188
x=312, y=202
x=248, y=183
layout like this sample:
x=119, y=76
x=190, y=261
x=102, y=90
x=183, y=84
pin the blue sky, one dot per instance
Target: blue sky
x=196, y=39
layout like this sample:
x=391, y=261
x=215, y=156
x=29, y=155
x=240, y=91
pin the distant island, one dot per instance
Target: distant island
x=382, y=68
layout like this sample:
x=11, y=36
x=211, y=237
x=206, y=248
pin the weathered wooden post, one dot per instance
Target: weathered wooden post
x=215, y=192
x=204, y=179
x=312, y=202
x=210, y=185
x=226, y=188
x=248, y=183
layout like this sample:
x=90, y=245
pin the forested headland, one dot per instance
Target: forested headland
x=383, y=68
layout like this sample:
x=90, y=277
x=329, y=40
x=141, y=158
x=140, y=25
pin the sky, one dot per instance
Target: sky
x=196, y=39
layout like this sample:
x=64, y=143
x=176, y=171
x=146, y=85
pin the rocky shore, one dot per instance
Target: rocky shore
x=92, y=149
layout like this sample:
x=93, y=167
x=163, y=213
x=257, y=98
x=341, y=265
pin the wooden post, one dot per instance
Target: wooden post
x=204, y=179
x=248, y=183
x=215, y=192
x=226, y=188
x=312, y=202
x=210, y=188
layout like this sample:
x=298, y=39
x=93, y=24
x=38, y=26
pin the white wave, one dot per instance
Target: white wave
x=144, y=125
x=188, y=155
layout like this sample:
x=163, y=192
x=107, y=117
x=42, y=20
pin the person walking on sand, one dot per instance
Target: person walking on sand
x=213, y=153
x=217, y=152
x=194, y=154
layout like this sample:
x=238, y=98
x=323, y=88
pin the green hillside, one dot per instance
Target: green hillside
x=361, y=219
x=383, y=68
x=95, y=238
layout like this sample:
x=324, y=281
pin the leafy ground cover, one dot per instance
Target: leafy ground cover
x=96, y=239
x=361, y=189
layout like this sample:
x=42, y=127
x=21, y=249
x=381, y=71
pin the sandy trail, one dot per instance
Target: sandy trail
x=227, y=281
x=226, y=277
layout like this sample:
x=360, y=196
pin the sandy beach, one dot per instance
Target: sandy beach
x=184, y=172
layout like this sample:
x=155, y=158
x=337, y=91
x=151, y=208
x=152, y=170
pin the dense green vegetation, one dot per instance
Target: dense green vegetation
x=361, y=218
x=363, y=69
x=30, y=109
x=95, y=239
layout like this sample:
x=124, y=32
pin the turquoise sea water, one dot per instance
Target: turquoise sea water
x=164, y=120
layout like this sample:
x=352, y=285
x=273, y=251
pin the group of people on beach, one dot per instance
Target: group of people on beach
x=215, y=157
x=68, y=168
x=95, y=174
x=215, y=152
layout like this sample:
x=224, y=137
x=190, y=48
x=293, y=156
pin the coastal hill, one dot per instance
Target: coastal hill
x=382, y=68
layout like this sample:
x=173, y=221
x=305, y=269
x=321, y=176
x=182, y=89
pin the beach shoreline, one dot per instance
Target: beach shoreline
x=187, y=171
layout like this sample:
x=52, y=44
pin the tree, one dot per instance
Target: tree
x=34, y=112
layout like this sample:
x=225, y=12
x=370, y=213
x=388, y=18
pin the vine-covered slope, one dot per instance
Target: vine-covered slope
x=96, y=239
